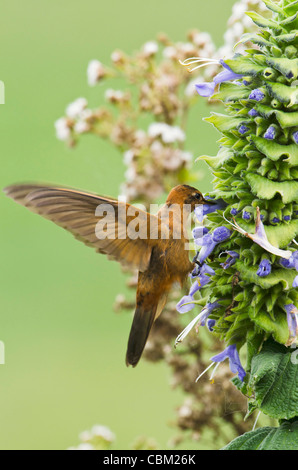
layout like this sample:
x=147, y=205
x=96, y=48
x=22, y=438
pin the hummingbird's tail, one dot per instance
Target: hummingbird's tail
x=142, y=322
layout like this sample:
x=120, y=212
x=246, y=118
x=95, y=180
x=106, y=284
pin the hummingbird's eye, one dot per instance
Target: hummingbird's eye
x=198, y=196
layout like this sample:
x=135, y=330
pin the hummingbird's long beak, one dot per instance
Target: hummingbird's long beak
x=208, y=201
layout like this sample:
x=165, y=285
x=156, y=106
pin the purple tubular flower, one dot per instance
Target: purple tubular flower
x=292, y=262
x=287, y=218
x=186, y=303
x=292, y=319
x=198, y=233
x=211, y=240
x=207, y=89
x=210, y=324
x=233, y=256
x=270, y=134
x=220, y=234
x=246, y=215
x=206, y=312
x=275, y=220
x=295, y=137
x=204, y=209
x=253, y=113
x=231, y=353
x=243, y=129
x=295, y=282
x=233, y=211
x=199, y=319
x=256, y=95
x=264, y=268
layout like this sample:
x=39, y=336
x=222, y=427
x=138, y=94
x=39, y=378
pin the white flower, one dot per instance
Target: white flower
x=168, y=134
x=114, y=95
x=186, y=157
x=104, y=432
x=75, y=108
x=81, y=126
x=85, y=436
x=128, y=157
x=95, y=71
x=85, y=446
x=62, y=129
x=169, y=52
x=150, y=48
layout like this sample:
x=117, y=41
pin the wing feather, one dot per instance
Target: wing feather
x=75, y=211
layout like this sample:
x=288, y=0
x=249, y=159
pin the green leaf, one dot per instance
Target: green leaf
x=285, y=119
x=223, y=156
x=283, y=93
x=225, y=123
x=264, y=22
x=267, y=189
x=276, y=151
x=284, y=437
x=288, y=37
x=284, y=66
x=230, y=92
x=255, y=38
x=273, y=7
x=280, y=275
x=244, y=66
x=274, y=381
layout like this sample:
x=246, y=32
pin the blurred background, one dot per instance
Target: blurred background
x=64, y=344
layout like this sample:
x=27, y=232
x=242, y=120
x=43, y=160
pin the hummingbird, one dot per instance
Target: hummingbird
x=152, y=244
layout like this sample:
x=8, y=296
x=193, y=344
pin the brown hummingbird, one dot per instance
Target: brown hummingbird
x=154, y=245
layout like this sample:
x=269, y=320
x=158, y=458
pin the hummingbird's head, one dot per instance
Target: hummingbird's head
x=184, y=194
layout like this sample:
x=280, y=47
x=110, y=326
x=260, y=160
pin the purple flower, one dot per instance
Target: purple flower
x=292, y=319
x=200, y=319
x=233, y=256
x=291, y=262
x=253, y=113
x=264, y=268
x=287, y=218
x=270, y=134
x=233, y=211
x=243, y=129
x=211, y=240
x=295, y=282
x=246, y=215
x=275, y=220
x=204, y=209
x=220, y=234
x=210, y=324
x=231, y=353
x=256, y=95
x=198, y=233
x=295, y=137
x=207, y=89
x=186, y=303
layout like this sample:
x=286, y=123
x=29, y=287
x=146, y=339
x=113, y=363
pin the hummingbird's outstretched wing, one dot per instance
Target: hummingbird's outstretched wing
x=87, y=216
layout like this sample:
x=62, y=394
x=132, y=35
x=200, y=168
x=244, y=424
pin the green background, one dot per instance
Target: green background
x=64, y=345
